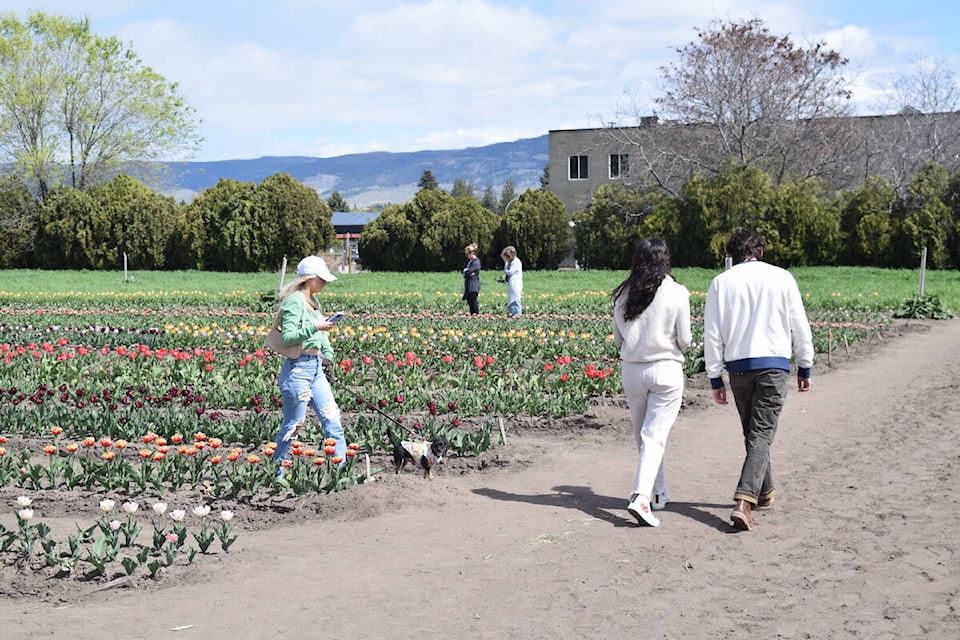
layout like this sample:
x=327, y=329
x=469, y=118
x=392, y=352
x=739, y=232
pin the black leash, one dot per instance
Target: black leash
x=371, y=405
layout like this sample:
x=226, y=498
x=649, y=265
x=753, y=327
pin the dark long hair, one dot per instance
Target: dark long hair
x=651, y=264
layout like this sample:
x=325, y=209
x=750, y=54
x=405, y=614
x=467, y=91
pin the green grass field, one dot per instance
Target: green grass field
x=544, y=291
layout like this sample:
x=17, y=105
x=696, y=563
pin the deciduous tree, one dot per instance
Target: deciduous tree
x=922, y=126
x=76, y=106
x=739, y=92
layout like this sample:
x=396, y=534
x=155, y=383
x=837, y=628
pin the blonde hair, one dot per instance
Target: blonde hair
x=470, y=248
x=293, y=286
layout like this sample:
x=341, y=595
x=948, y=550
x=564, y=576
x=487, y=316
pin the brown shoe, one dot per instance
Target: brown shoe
x=742, y=516
x=765, y=501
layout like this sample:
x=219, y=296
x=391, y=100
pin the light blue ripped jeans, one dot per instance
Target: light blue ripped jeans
x=302, y=382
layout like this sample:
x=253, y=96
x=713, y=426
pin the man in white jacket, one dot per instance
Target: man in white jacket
x=754, y=320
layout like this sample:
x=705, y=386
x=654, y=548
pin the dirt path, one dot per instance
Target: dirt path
x=864, y=541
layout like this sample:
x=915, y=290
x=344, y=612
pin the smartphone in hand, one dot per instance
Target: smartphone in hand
x=337, y=317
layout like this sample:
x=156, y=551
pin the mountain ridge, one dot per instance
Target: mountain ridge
x=377, y=177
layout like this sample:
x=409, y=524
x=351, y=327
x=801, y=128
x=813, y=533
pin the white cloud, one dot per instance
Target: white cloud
x=324, y=77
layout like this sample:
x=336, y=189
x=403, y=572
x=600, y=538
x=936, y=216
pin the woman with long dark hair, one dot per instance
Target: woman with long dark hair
x=651, y=325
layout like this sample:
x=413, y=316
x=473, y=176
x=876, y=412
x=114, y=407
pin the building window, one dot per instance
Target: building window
x=578, y=168
x=619, y=166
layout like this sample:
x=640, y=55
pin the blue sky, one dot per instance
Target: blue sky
x=328, y=77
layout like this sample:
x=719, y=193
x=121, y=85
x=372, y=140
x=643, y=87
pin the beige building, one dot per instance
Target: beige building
x=844, y=151
x=583, y=160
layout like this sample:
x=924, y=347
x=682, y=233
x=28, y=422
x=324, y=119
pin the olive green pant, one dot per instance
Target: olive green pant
x=759, y=397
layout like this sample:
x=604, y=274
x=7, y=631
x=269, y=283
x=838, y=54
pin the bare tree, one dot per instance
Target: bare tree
x=743, y=94
x=924, y=126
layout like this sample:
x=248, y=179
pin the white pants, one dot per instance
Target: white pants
x=654, y=392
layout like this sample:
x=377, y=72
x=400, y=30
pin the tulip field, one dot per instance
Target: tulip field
x=132, y=389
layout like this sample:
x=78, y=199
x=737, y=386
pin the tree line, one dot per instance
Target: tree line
x=760, y=135
x=245, y=226
x=233, y=226
x=805, y=222
x=430, y=232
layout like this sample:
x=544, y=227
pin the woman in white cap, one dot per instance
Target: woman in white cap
x=302, y=380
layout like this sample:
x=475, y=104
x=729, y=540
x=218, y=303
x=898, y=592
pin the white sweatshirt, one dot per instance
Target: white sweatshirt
x=513, y=272
x=754, y=314
x=661, y=332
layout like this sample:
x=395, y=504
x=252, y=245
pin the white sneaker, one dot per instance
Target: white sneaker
x=660, y=500
x=639, y=508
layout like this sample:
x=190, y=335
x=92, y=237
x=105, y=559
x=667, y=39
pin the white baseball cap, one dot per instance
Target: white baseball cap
x=315, y=266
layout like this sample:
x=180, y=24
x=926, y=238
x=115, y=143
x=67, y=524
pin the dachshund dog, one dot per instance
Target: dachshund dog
x=424, y=453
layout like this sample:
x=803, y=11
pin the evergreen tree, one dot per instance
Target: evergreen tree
x=93, y=229
x=489, y=199
x=337, y=203
x=427, y=181
x=868, y=223
x=18, y=223
x=462, y=189
x=507, y=195
x=537, y=225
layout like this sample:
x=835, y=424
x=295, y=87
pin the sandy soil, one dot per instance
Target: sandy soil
x=533, y=540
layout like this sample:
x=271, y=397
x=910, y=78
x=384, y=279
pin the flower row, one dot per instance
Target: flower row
x=113, y=539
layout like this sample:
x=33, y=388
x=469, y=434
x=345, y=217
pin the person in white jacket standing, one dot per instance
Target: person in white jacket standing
x=754, y=320
x=651, y=325
x=513, y=276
